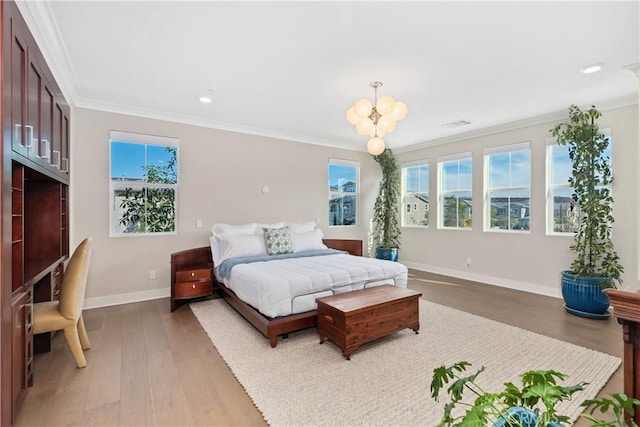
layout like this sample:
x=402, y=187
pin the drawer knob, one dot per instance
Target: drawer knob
x=193, y=274
x=194, y=286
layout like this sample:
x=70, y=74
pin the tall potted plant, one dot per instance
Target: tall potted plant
x=386, y=230
x=596, y=265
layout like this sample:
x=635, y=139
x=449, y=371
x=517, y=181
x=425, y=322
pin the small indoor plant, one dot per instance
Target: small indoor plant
x=386, y=230
x=596, y=265
x=532, y=405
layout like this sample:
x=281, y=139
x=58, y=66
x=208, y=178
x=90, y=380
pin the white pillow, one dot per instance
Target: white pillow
x=215, y=243
x=275, y=225
x=302, y=227
x=307, y=241
x=233, y=229
x=236, y=245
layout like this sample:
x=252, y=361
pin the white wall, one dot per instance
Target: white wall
x=525, y=261
x=221, y=174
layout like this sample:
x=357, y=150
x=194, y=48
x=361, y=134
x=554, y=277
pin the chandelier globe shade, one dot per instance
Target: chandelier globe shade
x=399, y=111
x=362, y=107
x=351, y=116
x=364, y=126
x=376, y=119
x=385, y=105
x=375, y=146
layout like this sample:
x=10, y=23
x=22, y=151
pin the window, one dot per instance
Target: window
x=454, y=195
x=144, y=184
x=562, y=215
x=415, y=185
x=507, y=187
x=343, y=192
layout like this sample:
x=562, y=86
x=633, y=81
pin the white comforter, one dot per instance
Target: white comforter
x=289, y=286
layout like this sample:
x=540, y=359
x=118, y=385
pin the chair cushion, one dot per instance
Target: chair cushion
x=47, y=318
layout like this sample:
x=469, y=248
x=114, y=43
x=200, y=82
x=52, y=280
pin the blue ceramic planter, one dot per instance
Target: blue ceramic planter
x=583, y=296
x=390, y=254
x=522, y=416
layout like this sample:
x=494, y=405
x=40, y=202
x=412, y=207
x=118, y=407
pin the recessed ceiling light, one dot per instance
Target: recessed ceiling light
x=593, y=68
x=205, y=99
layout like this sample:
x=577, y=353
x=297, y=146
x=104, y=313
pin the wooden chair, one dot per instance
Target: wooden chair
x=66, y=313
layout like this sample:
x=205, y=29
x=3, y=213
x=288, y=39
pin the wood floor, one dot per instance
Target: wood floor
x=148, y=366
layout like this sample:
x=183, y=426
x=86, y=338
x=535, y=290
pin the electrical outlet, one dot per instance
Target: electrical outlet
x=198, y=223
x=468, y=262
x=152, y=274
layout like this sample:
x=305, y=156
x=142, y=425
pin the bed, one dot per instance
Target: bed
x=276, y=291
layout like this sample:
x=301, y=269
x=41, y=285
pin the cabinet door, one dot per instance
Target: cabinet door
x=34, y=102
x=56, y=137
x=21, y=349
x=64, y=162
x=47, y=125
x=17, y=85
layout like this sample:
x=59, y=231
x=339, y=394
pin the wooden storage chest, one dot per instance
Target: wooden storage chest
x=354, y=318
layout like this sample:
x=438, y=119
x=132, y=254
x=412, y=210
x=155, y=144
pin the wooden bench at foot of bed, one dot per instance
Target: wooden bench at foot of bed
x=273, y=327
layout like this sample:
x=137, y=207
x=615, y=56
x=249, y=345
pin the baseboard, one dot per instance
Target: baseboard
x=97, y=302
x=490, y=280
x=127, y=298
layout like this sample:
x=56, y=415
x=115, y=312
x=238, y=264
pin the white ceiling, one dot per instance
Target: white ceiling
x=291, y=69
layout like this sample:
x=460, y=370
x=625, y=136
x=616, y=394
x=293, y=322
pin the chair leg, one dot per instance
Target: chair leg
x=82, y=333
x=73, y=340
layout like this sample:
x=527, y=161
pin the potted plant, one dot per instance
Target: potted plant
x=386, y=230
x=596, y=265
x=531, y=405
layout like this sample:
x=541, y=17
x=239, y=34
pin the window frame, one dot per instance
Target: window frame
x=336, y=194
x=407, y=205
x=549, y=187
x=146, y=140
x=440, y=163
x=488, y=152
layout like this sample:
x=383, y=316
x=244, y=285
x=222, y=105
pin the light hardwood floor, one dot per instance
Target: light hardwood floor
x=148, y=366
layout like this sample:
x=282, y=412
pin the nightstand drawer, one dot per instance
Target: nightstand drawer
x=192, y=289
x=193, y=275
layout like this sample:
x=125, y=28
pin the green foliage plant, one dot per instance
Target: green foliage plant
x=152, y=209
x=591, y=179
x=540, y=392
x=617, y=403
x=386, y=229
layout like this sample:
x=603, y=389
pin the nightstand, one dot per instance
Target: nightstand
x=190, y=278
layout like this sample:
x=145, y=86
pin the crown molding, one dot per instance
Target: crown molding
x=212, y=124
x=39, y=19
x=517, y=124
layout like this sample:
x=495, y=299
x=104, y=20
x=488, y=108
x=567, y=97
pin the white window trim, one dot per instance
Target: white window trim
x=549, y=142
x=440, y=210
x=356, y=164
x=138, y=138
x=403, y=168
x=520, y=146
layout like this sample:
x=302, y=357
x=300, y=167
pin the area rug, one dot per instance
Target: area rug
x=304, y=383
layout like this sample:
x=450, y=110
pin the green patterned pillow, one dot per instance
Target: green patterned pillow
x=277, y=240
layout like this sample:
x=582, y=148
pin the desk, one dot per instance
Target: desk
x=626, y=308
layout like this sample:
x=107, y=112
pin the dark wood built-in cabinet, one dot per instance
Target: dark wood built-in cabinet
x=35, y=202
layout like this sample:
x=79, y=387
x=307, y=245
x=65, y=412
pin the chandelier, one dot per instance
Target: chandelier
x=376, y=120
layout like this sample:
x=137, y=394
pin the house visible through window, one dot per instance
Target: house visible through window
x=508, y=187
x=454, y=196
x=562, y=215
x=144, y=184
x=343, y=192
x=415, y=192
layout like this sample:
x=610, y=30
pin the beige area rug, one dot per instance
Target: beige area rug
x=303, y=383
